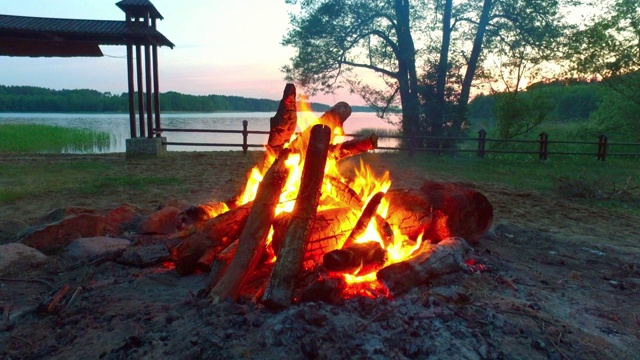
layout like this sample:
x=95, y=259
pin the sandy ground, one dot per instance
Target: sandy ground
x=564, y=283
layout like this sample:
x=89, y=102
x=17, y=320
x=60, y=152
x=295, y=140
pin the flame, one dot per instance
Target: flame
x=365, y=182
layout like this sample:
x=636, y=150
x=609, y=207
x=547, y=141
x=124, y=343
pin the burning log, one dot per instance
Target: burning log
x=410, y=211
x=362, y=257
x=282, y=125
x=251, y=243
x=215, y=233
x=279, y=291
x=329, y=230
x=332, y=118
x=220, y=264
x=443, y=258
x=353, y=147
x=347, y=195
x=366, y=216
x=196, y=215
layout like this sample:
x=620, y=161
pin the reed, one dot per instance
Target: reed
x=36, y=138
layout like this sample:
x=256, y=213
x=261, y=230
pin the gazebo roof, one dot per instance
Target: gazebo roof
x=138, y=8
x=35, y=36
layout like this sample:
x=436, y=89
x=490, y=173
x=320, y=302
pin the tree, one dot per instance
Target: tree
x=608, y=48
x=334, y=38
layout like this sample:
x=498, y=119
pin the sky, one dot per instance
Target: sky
x=222, y=48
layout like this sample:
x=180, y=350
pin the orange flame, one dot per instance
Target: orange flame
x=365, y=183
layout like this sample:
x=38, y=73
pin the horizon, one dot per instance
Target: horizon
x=204, y=61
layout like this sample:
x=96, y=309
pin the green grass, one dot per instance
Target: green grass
x=19, y=181
x=528, y=173
x=34, y=138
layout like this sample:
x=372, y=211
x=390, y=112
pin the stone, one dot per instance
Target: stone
x=52, y=237
x=94, y=247
x=11, y=229
x=62, y=213
x=19, y=253
x=162, y=222
x=123, y=218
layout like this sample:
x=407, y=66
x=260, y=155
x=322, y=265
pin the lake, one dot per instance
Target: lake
x=117, y=125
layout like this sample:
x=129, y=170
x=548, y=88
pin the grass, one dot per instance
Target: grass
x=19, y=181
x=34, y=138
x=528, y=173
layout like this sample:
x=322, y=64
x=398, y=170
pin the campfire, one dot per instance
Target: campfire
x=308, y=227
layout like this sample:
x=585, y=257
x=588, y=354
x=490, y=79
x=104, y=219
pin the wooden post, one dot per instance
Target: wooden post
x=132, y=110
x=147, y=68
x=544, y=144
x=482, y=141
x=156, y=88
x=140, y=90
x=245, y=136
x=279, y=291
x=602, y=147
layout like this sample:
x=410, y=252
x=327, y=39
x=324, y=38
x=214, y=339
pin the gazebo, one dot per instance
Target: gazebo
x=50, y=37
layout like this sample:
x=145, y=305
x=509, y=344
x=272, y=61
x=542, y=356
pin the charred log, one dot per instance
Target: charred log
x=353, y=147
x=362, y=257
x=366, y=216
x=443, y=258
x=279, y=291
x=282, y=125
x=334, y=117
x=252, y=241
x=216, y=233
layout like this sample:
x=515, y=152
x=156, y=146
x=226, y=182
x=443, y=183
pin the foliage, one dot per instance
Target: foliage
x=36, y=99
x=339, y=42
x=33, y=138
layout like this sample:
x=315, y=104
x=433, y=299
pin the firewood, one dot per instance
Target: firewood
x=221, y=263
x=251, y=243
x=216, y=233
x=206, y=260
x=443, y=258
x=282, y=125
x=462, y=211
x=54, y=304
x=197, y=214
x=329, y=230
x=361, y=257
x=279, y=291
x=409, y=211
x=334, y=117
x=353, y=147
x=366, y=216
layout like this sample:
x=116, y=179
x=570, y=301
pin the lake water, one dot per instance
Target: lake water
x=117, y=125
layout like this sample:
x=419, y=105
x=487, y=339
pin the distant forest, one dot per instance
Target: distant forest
x=37, y=99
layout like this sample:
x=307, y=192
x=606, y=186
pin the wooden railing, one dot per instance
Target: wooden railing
x=601, y=147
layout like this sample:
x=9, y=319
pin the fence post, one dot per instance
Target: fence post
x=544, y=143
x=482, y=140
x=245, y=136
x=602, y=147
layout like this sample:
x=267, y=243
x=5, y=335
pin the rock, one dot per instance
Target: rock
x=88, y=248
x=123, y=218
x=61, y=213
x=51, y=237
x=10, y=230
x=163, y=222
x=16, y=252
x=176, y=203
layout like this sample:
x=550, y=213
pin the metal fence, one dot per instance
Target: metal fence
x=543, y=147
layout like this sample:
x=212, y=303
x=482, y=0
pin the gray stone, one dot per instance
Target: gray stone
x=93, y=247
x=142, y=146
x=16, y=252
x=10, y=230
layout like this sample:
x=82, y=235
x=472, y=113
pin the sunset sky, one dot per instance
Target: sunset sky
x=222, y=47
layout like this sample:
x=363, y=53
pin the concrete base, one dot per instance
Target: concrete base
x=137, y=147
